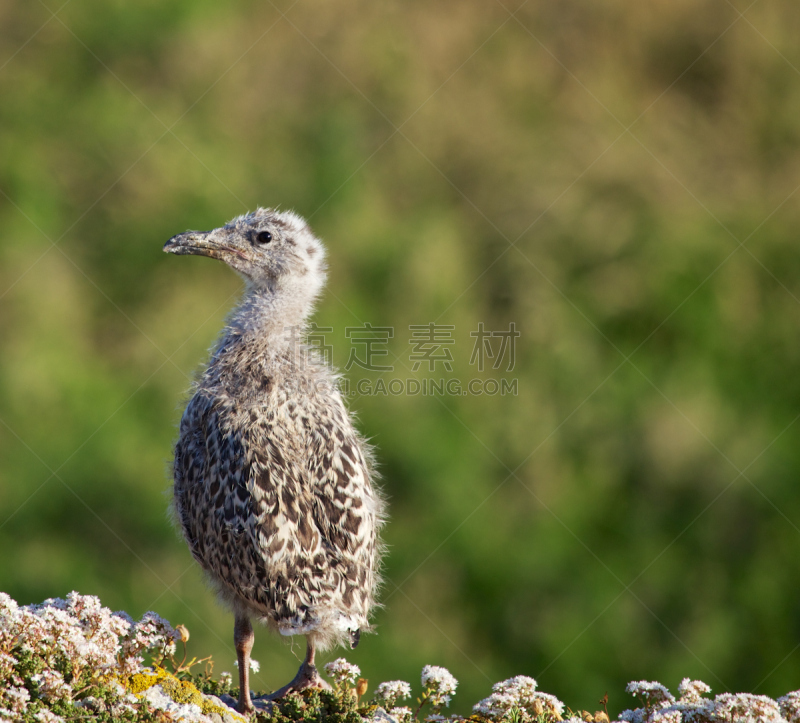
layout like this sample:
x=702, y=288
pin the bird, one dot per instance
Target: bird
x=274, y=488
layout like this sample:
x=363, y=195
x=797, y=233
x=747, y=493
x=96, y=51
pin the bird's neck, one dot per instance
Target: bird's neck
x=271, y=320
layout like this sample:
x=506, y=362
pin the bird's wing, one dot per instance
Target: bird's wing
x=319, y=513
x=213, y=497
x=189, y=471
x=344, y=505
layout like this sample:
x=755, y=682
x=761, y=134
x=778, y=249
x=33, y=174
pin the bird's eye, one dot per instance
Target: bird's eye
x=263, y=237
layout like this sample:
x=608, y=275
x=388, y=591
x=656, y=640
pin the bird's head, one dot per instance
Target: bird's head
x=273, y=250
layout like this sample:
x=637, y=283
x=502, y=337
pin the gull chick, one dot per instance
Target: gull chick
x=273, y=484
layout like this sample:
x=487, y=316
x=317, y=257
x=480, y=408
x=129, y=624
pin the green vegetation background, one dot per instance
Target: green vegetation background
x=616, y=179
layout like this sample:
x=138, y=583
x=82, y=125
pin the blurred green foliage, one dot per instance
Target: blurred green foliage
x=617, y=180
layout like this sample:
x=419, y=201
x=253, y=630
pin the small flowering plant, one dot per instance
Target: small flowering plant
x=57, y=655
x=343, y=673
x=387, y=694
x=660, y=705
x=73, y=659
x=438, y=688
x=518, y=699
x=654, y=695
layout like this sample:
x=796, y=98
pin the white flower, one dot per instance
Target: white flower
x=342, y=671
x=7, y=663
x=131, y=664
x=120, y=623
x=255, y=666
x=15, y=698
x=93, y=643
x=790, y=706
x=517, y=683
x=389, y=693
x=401, y=713
x=152, y=632
x=52, y=686
x=549, y=701
x=518, y=692
x=732, y=707
x=440, y=678
x=691, y=691
x=495, y=705
x=653, y=693
x=440, y=684
x=225, y=679
x=8, y=606
x=666, y=715
x=47, y=716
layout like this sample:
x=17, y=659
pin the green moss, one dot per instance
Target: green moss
x=209, y=707
x=182, y=691
x=140, y=682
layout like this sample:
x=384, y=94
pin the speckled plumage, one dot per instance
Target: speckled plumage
x=273, y=485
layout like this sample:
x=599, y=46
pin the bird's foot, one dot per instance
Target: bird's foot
x=245, y=706
x=307, y=677
x=256, y=704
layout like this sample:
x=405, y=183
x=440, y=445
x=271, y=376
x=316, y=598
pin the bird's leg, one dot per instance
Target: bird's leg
x=308, y=674
x=243, y=640
x=307, y=677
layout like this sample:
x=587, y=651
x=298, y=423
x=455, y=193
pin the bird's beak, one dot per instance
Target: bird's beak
x=201, y=243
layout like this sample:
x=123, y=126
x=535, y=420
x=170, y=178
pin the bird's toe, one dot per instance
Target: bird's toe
x=307, y=677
